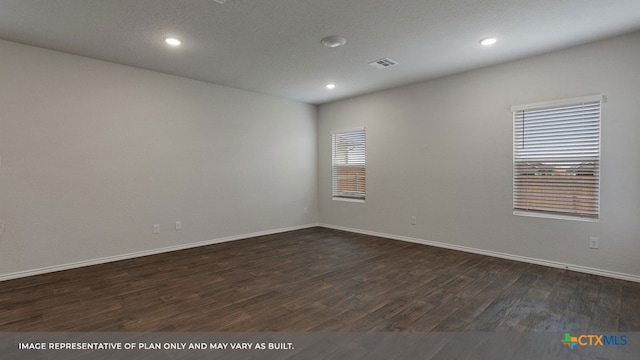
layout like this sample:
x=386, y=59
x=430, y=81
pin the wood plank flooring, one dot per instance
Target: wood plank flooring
x=319, y=280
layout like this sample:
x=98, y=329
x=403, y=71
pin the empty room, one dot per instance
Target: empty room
x=320, y=166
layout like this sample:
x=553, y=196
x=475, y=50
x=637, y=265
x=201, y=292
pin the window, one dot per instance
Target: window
x=556, y=159
x=348, y=165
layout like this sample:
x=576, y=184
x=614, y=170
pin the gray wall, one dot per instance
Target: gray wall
x=441, y=150
x=94, y=153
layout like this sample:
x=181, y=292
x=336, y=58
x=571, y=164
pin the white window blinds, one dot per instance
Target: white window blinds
x=348, y=164
x=556, y=158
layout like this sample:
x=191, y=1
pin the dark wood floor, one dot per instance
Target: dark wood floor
x=319, y=280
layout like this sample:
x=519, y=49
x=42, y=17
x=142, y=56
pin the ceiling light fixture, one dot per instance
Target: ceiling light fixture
x=333, y=41
x=172, y=41
x=330, y=86
x=488, y=41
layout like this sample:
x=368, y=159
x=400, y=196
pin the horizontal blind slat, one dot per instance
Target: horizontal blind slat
x=348, y=164
x=556, y=167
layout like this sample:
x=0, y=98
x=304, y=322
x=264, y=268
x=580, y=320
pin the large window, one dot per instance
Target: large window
x=556, y=158
x=348, y=165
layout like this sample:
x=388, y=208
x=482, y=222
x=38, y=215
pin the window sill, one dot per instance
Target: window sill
x=553, y=216
x=348, y=199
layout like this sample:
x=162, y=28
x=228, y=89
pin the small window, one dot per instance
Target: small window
x=556, y=159
x=348, y=165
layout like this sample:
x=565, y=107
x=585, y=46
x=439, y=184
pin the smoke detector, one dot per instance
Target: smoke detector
x=333, y=41
x=383, y=63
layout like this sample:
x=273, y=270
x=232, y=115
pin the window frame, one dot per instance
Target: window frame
x=561, y=210
x=353, y=195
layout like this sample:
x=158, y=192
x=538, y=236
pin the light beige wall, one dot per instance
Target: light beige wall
x=94, y=153
x=441, y=150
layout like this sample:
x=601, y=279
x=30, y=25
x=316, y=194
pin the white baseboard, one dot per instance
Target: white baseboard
x=108, y=259
x=554, y=264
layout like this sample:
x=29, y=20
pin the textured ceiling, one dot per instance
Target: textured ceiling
x=273, y=46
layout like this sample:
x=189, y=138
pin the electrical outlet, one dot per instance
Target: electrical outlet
x=594, y=242
x=178, y=225
x=156, y=228
x=305, y=210
x=413, y=220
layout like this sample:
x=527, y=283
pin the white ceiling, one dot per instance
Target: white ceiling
x=273, y=46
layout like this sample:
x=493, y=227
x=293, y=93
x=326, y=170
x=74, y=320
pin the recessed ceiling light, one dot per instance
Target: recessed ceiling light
x=333, y=41
x=330, y=86
x=488, y=41
x=172, y=41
